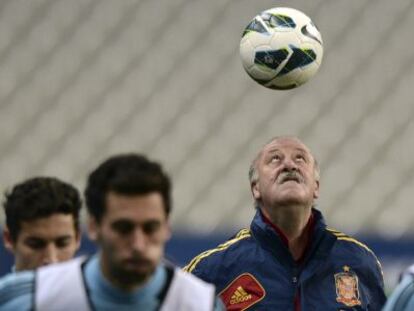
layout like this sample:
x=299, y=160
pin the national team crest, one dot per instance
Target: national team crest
x=347, y=290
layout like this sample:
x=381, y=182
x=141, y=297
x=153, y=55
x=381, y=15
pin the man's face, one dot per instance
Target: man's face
x=43, y=241
x=286, y=174
x=132, y=234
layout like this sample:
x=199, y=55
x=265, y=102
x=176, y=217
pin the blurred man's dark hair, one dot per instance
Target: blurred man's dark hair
x=126, y=174
x=40, y=197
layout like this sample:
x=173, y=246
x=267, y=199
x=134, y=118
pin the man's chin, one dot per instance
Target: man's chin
x=292, y=198
x=130, y=274
x=133, y=277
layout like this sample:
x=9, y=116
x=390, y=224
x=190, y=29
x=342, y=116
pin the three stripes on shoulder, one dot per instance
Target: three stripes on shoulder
x=242, y=234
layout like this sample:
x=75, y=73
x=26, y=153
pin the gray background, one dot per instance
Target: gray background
x=84, y=79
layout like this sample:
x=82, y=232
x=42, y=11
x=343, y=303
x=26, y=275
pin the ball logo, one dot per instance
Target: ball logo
x=308, y=34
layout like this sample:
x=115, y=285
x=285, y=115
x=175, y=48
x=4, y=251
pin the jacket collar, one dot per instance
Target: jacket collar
x=271, y=240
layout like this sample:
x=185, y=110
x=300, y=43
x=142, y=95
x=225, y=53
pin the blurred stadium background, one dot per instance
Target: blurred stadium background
x=83, y=79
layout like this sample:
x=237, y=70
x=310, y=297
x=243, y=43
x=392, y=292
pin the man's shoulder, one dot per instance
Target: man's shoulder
x=402, y=298
x=349, y=247
x=18, y=282
x=347, y=242
x=16, y=290
x=236, y=244
x=409, y=271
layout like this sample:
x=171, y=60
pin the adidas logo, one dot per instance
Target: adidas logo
x=239, y=296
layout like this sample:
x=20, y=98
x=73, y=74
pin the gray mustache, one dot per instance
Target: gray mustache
x=290, y=175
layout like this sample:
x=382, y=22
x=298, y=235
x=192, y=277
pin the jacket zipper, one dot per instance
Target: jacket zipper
x=296, y=300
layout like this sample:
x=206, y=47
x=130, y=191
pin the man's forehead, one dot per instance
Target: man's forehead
x=136, y=207
x=53, y=223
x=282, y=143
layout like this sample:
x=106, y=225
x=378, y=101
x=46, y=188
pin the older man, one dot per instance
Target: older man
x=289, y=259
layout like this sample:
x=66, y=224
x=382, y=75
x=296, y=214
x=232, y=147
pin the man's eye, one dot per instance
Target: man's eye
x=275, y=158
x=62, y=243
x=123, y=228
x=35, y=244
x=151, y=227
x=301, y=157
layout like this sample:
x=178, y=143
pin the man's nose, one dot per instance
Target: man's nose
x=138, y=239
x=290, y=164
x=50, y=255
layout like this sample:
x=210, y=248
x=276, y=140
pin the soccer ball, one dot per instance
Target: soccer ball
x=281, y=48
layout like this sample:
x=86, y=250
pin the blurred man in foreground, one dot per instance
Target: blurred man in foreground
x=402, y=298
x=42, y=222
x=289, y=259
x=128, y=200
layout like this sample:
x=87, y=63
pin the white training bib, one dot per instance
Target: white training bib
x=61, y=287
x=188, y=293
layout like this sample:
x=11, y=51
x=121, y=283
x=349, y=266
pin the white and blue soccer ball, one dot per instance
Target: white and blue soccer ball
x=281, y=48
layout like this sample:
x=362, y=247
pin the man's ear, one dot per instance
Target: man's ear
x=316, y=190
x=78, y=238
x=169, y=231
x=7, y=240
x=92, y=228
x=254, y=185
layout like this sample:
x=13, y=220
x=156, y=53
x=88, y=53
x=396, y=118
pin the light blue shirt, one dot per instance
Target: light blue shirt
x=105, y=296
x=16, y=291
x=402, y=298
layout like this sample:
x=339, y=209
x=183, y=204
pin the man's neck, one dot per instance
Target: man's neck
x=292, y=221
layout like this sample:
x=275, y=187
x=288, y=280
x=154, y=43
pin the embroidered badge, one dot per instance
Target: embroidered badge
x=242, y=293
x=347, y=291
